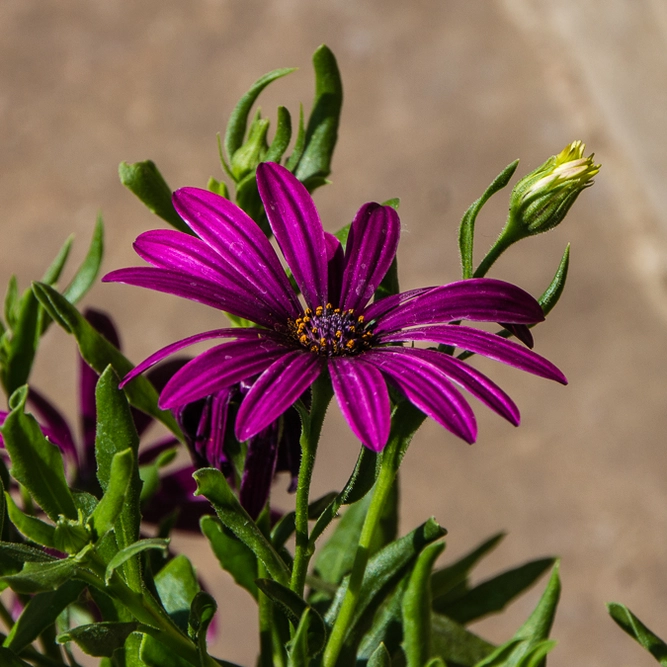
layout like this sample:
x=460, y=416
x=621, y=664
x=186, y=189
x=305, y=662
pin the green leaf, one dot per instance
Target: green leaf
x=128, y=552
x=52, y=274
x=238, y=121
x=380, y=657
x=212, y=484
x=155, y=654
x=449, y=578
x=33, y=528
x=202, y=610
x=9, y=659
x=86, y=274
x=11, y=305
x=467, y=227
x=553, y=293
x=38, y=577
x=99, y=353
x=217, y=187
x=435, y=662
x=114, y=499
x=115, y=434
x=232, y=554
x=177, y=587
x=638, y=631
x=294, y=607
x=286, y=525
x=417, y=608
x=322, y=131
x=281, y=138
x=299, y=144
x=535, y=657
x=492, y=595
x=298, y=653
x=452, y=642
x=99, y=639
x=36, y=463
x=147, y=183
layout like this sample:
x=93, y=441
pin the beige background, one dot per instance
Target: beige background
x=439, y=96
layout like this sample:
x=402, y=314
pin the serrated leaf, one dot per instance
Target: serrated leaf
x=128, y=552
x=322, y=130
x=115, y=496
x=36, y=463
x=99, y=639
x=232, y=554
x=99, y=353
x=86, y=274
x=147, y=183
x=626, y=620
x=212, y=484
x=467, y=226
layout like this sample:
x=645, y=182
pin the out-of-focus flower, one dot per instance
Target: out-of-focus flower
x=233, y=267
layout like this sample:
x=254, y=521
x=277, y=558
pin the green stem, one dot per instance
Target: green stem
x=310, y=435
x=511, y=234
x=388, y=469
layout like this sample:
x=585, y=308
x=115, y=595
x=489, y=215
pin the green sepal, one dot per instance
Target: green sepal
x=238, y=121
x=294, y=607
x=128, y=552
x=41, y=612
x=467, y=226
x=99, y=639
x=202, y=611
x=36, y=463
x=452, y=642
x=627, y=621
x=417, y=608
x=39, y=577
x=492, y=595
x=212, y=484
x=232, y=554
x=322, y=130
x=148, y=184
x=31, y=527
x=177, y=586
x=10, y=659
x=99, y=353
x=110, y=506
x=380, y=657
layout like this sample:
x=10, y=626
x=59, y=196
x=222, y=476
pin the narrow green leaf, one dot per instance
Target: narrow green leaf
x=212, y=484
x=501, y=656
x=115, y=433
x=454, y=643
x=553, y=293
x=52, y=274
x=380, y=657
x=155, y=654
x=493, y=595
x=9, y=659
x=147, y=183
x=435, y=662
x=322, y=131
x=99, y=639
x=238, y=121
x=232, y=554
x=286, y=525
x=467, y=227
x=38, y=577
x=110, y=506
x=36, y=463
x=3, y=507
x=24, y=553
x=294, y=607
x=177, y=587
x=299, y=144
x=128, y=552
x=536, y=656
x=202, y=610
x=417, y=608
x=247, y=198
x=100, y=353
x=281, y=138
x=41, y=612
x=11, y=305
x=298, y=653
x=33, y=528
x=87, y=273
x=627, y=621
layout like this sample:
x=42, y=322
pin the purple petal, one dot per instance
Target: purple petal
x=477, y=299
x=335, y=266
x=219, y=368
x=239, y=241
x=297, y=228
x=260, y=467
x=53, y=424
x=480, y=386
x=238, y=332
x=371, y=248
x=276, y=389
x=484, y=343
x=426, y=386
x=520, y=332
x=362, y=394
x=197, y=289
x=379, y=308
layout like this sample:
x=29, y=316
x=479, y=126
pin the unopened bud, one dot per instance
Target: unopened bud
x=252, y=152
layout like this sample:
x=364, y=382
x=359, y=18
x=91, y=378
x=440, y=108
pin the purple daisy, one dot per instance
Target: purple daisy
x=231, y=266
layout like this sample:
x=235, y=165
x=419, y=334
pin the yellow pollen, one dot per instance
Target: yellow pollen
x=337, y=311
x=306, y=318
x=319, y=310
x=323, y=341
x=338, y=334
x=309, y=311
x=329, y=306
x=350, y=344
x=360, y=319
x=314, y=348
x=352, y=328
x=303, y=339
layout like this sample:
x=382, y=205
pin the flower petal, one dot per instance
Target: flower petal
x=484, y=343
x=426, y=386
x=197, y=289
x=239, y=333
x=259, y=469
x=335, y=266
x=371, y=248
x=477, y=299
x=480, y=386
x=297, y=228
x=379, y=308
x=362, y=394
x=239, y=241
x=276, y=389
x=218, y=368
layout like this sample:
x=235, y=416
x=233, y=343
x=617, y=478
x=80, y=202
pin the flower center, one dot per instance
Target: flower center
x=330, y=331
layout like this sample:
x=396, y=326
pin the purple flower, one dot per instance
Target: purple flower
x=233, y=267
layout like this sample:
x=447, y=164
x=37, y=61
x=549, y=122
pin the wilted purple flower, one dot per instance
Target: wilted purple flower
x=233, y=267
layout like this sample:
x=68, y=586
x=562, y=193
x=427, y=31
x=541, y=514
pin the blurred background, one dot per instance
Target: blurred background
x=440, y=95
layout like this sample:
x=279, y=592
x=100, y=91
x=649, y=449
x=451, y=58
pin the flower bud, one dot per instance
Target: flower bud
x=252, y=152
x=541, y=199
x=70, y=536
